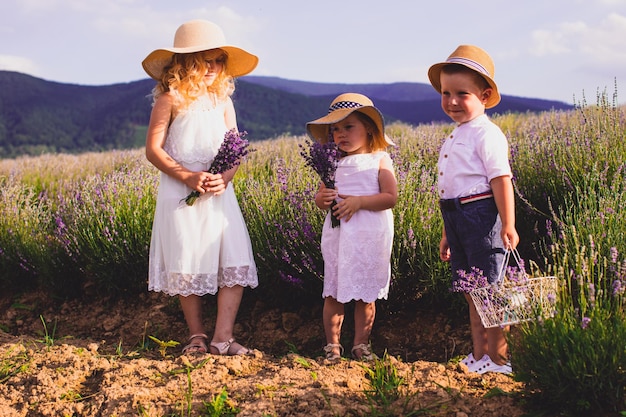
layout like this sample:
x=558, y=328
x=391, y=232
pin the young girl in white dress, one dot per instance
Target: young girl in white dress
x=203, y=248
x=356, y=253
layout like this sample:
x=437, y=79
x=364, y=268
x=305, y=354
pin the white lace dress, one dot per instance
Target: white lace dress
x=357, y=253
x=201, y=248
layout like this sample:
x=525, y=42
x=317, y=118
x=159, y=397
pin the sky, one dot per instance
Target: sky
x=565, y=50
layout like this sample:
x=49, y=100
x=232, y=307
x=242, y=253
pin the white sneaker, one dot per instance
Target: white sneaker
x=473, y=364
x=487, y=365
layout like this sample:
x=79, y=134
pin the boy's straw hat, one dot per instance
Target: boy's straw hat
x=195, y=36
x=343, y=106
x=474, y=58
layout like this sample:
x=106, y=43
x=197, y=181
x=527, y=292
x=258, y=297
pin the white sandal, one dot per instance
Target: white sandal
x=223, y=348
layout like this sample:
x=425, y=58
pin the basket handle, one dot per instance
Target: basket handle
x=505, y=262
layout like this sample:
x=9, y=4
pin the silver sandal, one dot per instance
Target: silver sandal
x=329, y=349
x=196, y=347
x=366, y=352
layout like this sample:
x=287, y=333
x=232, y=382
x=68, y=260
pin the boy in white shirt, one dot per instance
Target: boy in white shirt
x=475, y=189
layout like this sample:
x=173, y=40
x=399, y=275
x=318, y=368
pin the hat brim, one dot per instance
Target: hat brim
x=434, y=75
x=319, y=129
x=239, y=61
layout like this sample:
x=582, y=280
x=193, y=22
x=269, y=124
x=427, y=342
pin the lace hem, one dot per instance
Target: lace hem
x=367, y=294
x=201, y=284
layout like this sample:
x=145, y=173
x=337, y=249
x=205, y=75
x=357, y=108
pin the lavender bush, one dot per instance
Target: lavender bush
x=277, y=199
x=574, y=363
x=104, y=226
x=24, y=228
x=417, y=273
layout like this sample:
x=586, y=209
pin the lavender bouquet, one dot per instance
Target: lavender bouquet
x=323, y=158
x=231, y=151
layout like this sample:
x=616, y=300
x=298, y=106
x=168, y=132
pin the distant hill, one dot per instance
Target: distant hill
x=387, y=92
x=413, y=103
x=39, y=116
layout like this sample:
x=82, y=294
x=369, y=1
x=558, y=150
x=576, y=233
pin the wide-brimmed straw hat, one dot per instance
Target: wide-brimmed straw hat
x=195, y=36
x=474, y=58
x=343, y=106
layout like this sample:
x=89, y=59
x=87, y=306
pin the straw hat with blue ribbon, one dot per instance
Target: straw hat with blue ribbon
x=473, y=58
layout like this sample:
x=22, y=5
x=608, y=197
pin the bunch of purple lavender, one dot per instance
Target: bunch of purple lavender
x=469, y=281
x=231, y=152
x=323, y=158
x=516, y=275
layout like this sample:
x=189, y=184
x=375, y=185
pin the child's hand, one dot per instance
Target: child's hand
x=345, y=209
x=198, y=181
x=215, y=184
x=510, y=238
x=444, y=250
x=327, y=196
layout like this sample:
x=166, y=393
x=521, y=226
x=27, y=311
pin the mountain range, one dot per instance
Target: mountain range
x=39, y=116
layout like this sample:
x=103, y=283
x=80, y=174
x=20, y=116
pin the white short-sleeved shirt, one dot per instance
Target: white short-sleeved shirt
x=471, y=156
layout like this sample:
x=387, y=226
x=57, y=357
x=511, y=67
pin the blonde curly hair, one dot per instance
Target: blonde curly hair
x=184, y=76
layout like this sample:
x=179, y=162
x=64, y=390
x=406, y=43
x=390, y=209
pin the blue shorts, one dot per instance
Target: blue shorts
x=473, y=232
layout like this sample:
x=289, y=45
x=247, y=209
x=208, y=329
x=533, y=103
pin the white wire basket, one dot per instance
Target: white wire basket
x=508, y=301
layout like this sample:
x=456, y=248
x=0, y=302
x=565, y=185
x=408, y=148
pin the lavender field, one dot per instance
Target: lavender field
x=72, y=222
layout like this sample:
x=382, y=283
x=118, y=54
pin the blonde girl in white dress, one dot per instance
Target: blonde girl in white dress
x=357, y=253
x=203, y=248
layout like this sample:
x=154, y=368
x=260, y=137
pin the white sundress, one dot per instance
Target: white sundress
x=357, y=254
x=201, y=248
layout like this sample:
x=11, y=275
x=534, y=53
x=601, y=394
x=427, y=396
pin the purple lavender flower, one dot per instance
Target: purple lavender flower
x=323, y=158
x=517, y=275
x=585, y=322
x=614, y=254
x=232, y=150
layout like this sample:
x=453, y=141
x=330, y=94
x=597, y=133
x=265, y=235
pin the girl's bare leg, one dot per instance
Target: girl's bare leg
x=192, y=310
x=228, y=301
x=364, y=314
x=333, y=320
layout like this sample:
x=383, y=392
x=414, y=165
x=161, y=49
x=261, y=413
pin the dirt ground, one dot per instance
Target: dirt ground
x=94, y=357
